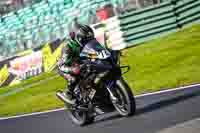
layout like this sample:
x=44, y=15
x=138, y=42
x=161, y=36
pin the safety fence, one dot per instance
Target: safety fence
x=151, y=22
x=187, y=11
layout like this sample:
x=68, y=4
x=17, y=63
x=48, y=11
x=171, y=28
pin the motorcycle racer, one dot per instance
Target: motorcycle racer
x=69, y=64
x=83, y=48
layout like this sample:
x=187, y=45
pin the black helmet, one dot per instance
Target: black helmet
x=84, y=34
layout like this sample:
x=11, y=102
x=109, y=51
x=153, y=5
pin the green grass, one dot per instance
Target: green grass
x=166, y=62
x=37, y=98
x=23, y=83
x=162, y=63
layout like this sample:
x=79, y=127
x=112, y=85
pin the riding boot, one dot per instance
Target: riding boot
x=69, y=93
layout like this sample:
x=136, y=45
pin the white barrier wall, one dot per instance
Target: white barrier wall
x=109, y=31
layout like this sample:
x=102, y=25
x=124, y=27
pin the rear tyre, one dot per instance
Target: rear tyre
x=125, y=104
x=80, y=118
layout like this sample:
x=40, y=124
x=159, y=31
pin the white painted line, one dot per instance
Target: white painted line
x=31, y=114
x=16, y=90
x=168, y=90
x=143, y=95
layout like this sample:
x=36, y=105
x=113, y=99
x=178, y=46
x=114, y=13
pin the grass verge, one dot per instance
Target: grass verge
x=167, y=62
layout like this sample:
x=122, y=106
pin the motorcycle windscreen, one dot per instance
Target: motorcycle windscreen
x=94, y=49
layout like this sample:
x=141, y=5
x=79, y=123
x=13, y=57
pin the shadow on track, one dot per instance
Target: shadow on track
x=153, y=106
x=167, y=102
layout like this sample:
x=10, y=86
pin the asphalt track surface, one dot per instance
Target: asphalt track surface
x=159, y=113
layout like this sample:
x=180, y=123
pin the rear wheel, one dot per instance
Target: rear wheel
x=79, y=117
x=125, y=103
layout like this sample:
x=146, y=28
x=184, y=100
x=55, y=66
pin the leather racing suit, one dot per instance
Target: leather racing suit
x=69, y=63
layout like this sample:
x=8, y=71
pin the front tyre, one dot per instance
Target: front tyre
x=125, y=104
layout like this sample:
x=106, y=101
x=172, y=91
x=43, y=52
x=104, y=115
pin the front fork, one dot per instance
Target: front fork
x=110, y=88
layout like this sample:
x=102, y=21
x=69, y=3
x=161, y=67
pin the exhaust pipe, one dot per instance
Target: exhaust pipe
x=62, y=97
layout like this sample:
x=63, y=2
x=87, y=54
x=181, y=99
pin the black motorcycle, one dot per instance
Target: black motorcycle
x=113, y=93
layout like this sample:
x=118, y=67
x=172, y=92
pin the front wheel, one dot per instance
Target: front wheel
x=125, y=103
